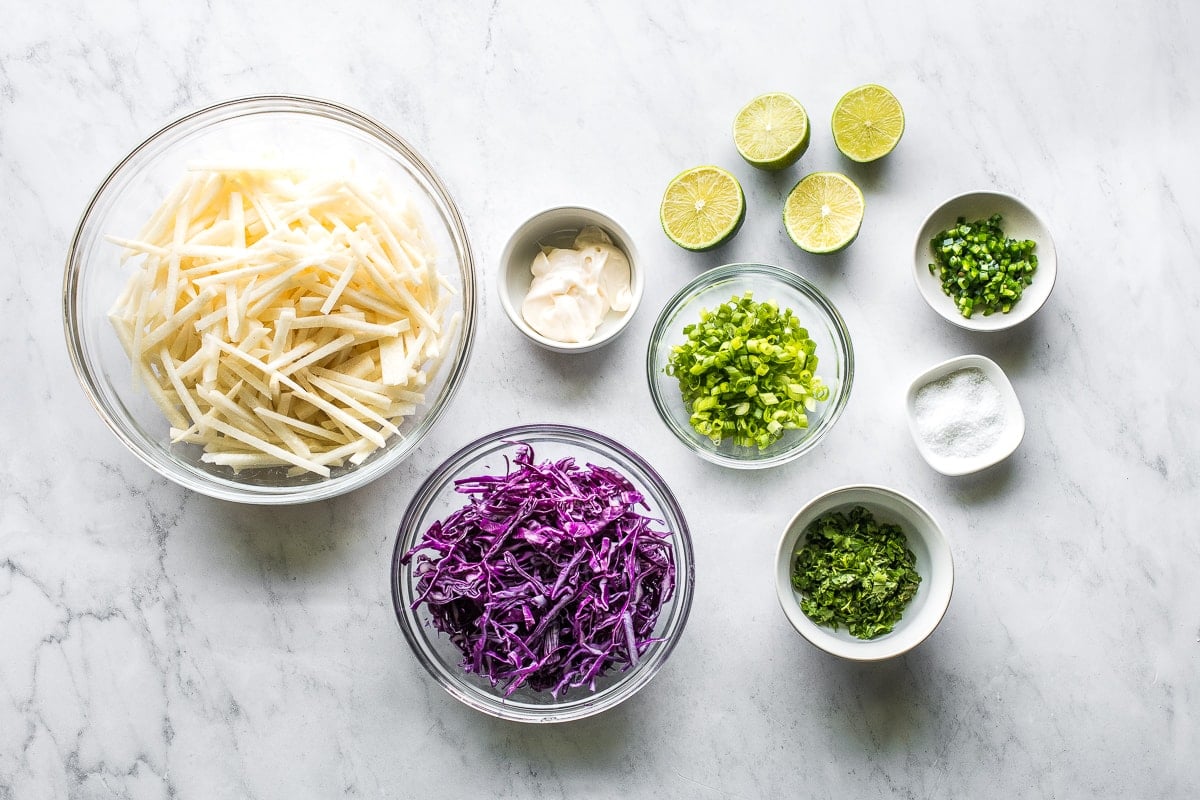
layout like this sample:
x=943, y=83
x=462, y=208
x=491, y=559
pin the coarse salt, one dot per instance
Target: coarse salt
x=960, y=415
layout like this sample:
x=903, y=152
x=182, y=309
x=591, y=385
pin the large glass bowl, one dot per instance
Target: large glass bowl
x=823, y=322
x=296, y=130
x=436, y=499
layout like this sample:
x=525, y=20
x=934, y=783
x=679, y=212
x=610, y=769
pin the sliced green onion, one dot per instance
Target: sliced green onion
x=747, y=372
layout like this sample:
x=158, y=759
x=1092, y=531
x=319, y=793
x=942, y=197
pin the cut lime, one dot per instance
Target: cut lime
x=771, y=131
x=823, y=212
x=867, y=123
x=702, y=208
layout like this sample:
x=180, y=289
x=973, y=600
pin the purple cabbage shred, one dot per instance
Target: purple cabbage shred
x=548, y=577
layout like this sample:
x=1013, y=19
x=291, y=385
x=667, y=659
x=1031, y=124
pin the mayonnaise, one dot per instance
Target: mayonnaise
x=573, y=289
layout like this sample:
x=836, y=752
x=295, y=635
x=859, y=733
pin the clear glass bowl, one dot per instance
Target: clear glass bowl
x=436, y=499
x=825, y=326
x=301, y=131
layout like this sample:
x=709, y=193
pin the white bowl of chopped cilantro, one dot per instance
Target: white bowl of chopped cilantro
x=984, y=261
x=750, y=365
x=864, y=573
x=543, y=573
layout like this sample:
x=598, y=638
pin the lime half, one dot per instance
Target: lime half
x=867, y=123
x=702, y=208
x=823, y=212
x=771, y=131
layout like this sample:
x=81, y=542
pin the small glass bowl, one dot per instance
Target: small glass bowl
x=823, y=322
x=436, y=499
x=301, y=131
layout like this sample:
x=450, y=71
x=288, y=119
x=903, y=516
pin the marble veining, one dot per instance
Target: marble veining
x=158, y=644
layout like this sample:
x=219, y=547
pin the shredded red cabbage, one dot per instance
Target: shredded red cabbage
x=548, y=577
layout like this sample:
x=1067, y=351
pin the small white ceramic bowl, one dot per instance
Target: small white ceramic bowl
x=997, y=451
x=928, y=543
x=1019, y=222
x=557, y=227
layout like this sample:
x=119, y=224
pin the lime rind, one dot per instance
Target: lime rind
x=867, y=123
x=702, y=208
x=772, y=131
x=823, y=213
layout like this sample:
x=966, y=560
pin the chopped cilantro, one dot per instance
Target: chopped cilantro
x=856, y=572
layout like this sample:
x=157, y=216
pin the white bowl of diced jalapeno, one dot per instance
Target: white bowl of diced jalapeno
x=984, y=261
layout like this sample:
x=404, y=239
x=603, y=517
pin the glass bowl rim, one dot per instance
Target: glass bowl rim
x=711, y=278
x=680, y=604
x=224, y=111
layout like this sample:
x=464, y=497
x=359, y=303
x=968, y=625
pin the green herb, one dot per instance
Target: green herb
x=979, y=268
x=746, y=372
x=856, y=572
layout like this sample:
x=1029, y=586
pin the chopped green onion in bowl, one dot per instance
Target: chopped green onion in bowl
x=769, y=313
x=747, y=372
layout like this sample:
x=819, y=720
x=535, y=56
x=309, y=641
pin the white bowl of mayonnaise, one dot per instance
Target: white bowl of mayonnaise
x=570, y=279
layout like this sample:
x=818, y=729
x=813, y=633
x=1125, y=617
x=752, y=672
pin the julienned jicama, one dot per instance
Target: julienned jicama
x=283, y=317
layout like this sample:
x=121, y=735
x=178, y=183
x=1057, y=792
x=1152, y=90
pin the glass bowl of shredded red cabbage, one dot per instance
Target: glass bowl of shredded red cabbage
x=543, y=573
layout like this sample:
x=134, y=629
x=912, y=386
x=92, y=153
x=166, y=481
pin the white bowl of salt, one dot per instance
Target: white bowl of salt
x=964, y=415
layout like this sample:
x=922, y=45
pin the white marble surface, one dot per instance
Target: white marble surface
x=157, y=644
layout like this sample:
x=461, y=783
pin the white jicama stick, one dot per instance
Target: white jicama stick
x=270, y=449
x=324, y=351
x=331, y=388
x=304, y=427
x=366, y=330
